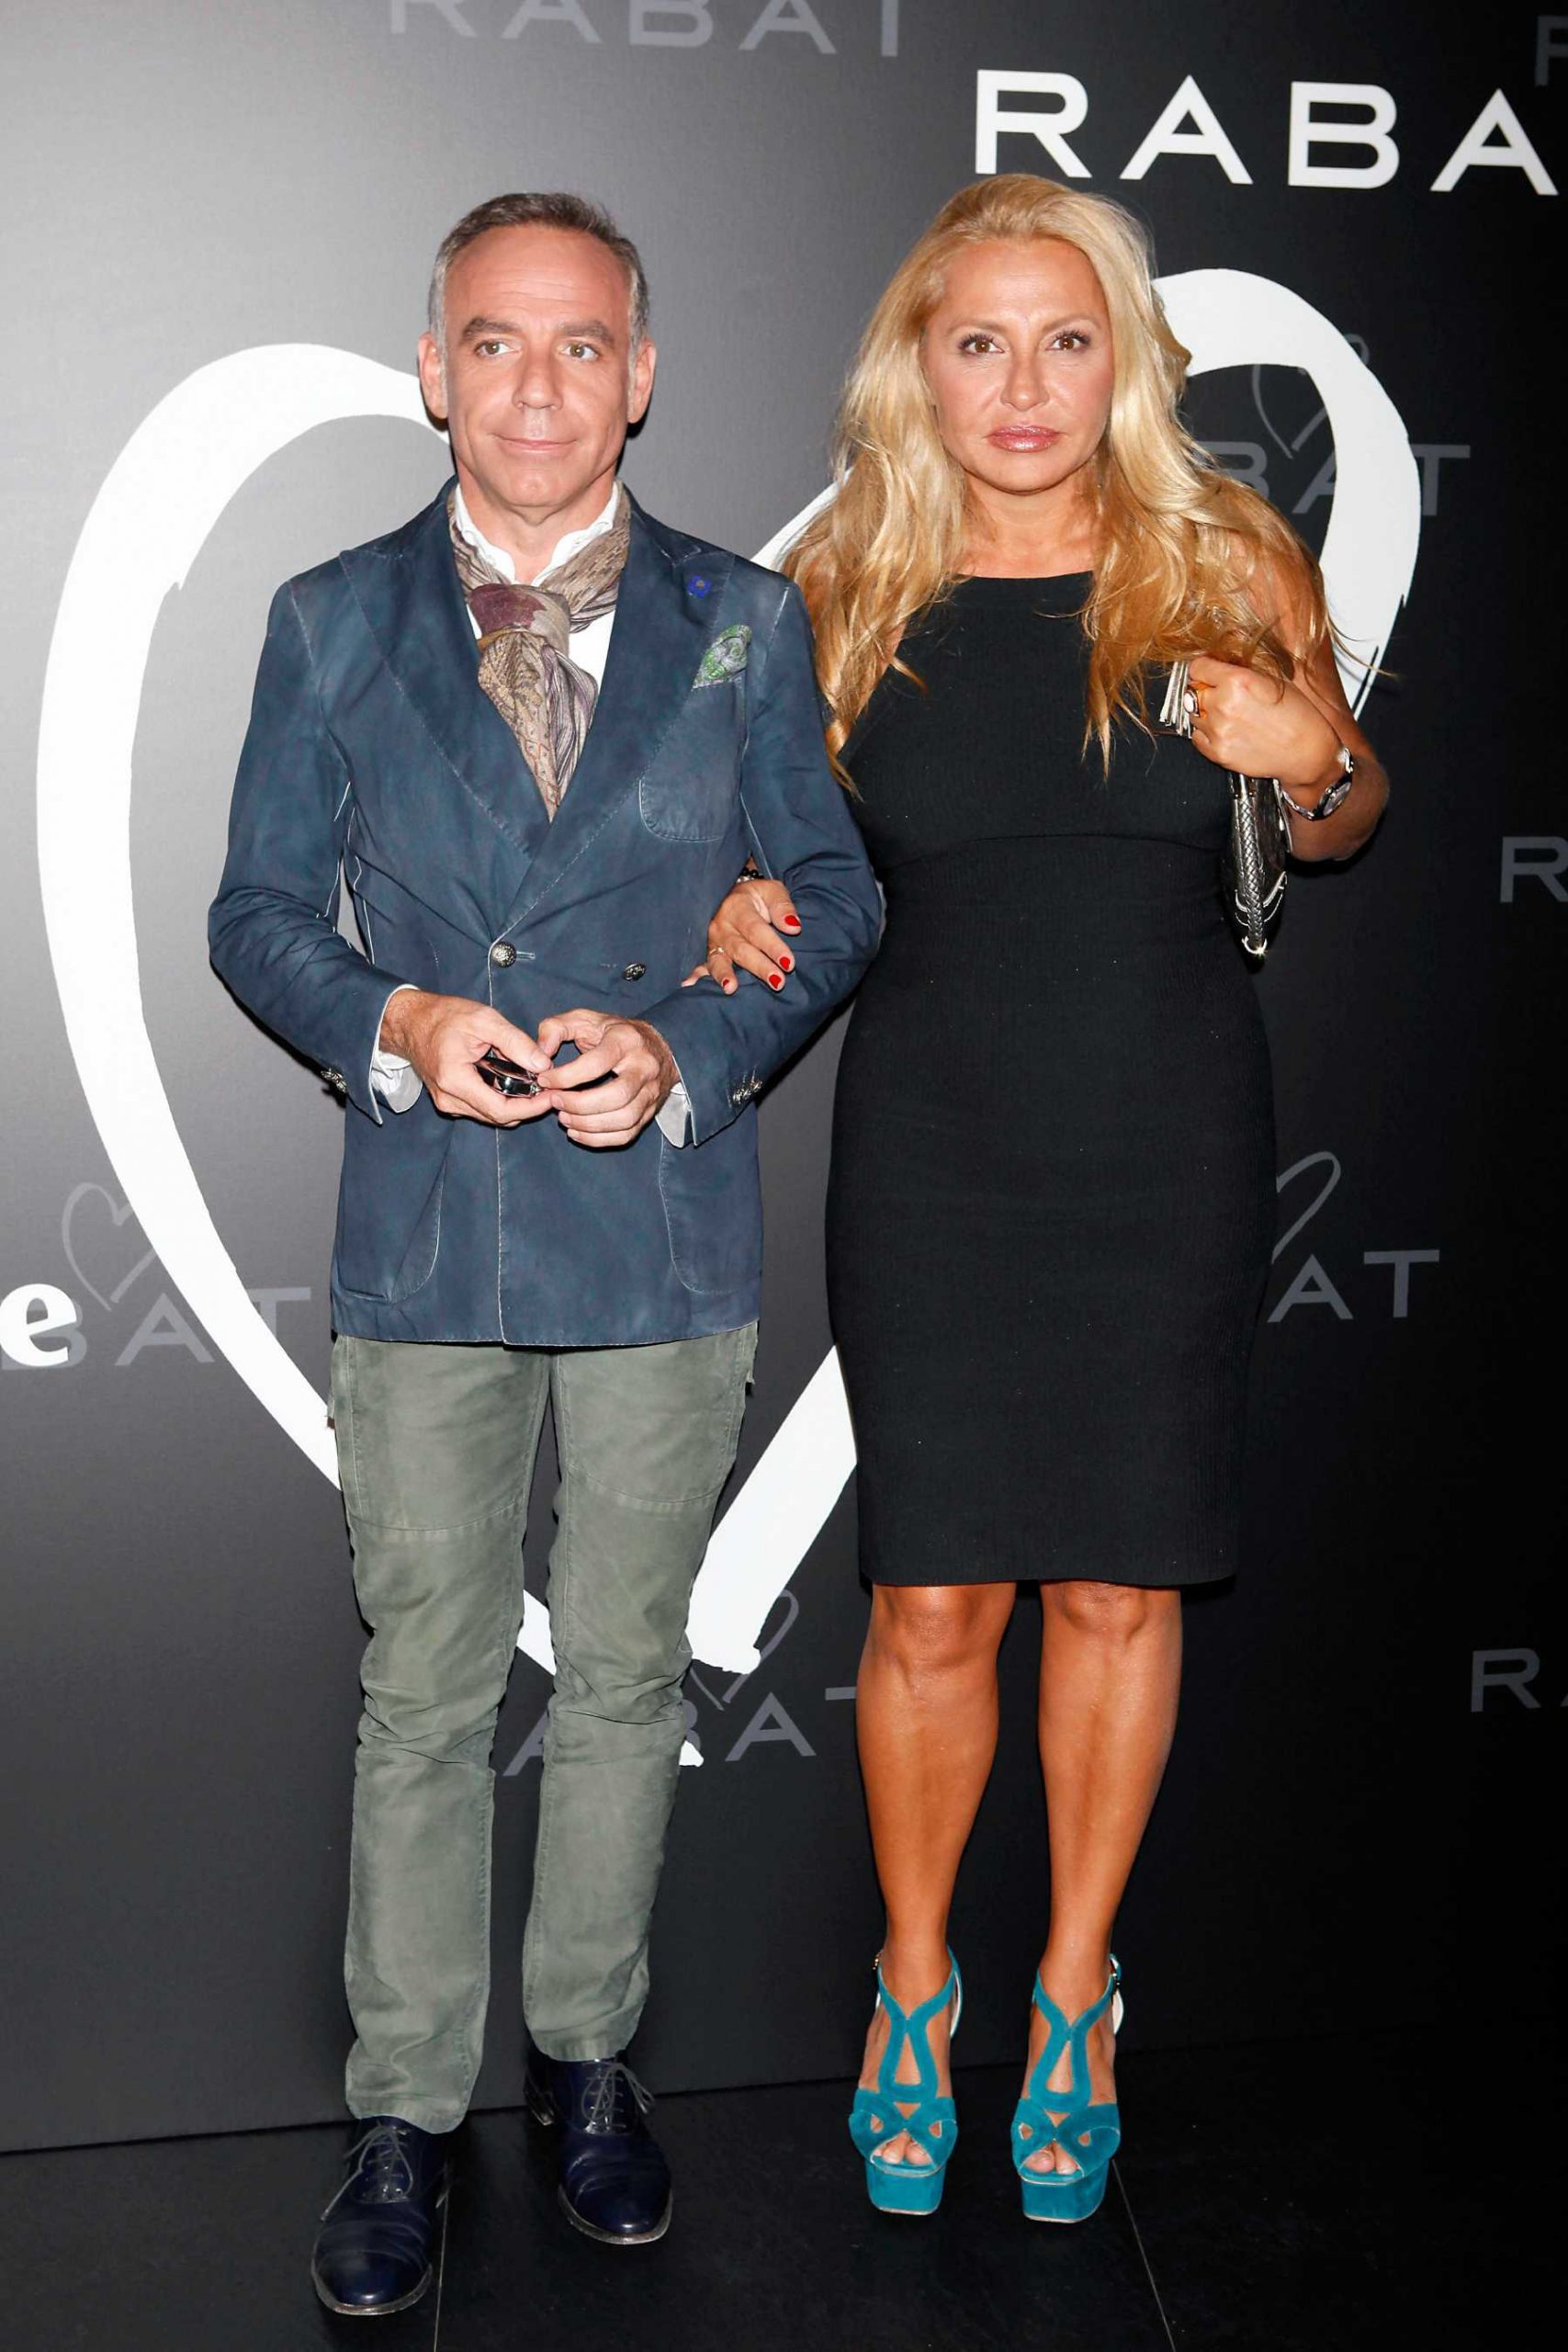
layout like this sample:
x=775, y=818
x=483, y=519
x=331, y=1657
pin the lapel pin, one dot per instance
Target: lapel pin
x=698, y=585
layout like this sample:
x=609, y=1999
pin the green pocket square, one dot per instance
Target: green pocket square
x=725, y=657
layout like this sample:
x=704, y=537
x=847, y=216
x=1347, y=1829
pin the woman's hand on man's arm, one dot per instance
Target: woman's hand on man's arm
x=752, y=931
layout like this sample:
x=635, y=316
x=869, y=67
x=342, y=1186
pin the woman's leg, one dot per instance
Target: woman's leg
x=926, y=1719
x=1110, y=1675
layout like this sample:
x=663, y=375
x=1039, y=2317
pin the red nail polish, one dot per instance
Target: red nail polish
x=791, y=923
x=774, y=980
x=786, y=963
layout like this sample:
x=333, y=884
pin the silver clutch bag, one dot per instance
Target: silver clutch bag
x=1255, y=867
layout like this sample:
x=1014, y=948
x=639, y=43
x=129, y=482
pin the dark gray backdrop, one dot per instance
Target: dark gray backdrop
x=1353, y=1815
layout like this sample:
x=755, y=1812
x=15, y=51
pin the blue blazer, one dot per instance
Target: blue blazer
x=374, y=755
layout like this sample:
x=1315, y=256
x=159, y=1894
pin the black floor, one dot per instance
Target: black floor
x=1348, y=2194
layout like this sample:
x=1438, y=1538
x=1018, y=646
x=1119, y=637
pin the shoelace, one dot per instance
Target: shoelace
x=378, y=2166
x=605, y=2105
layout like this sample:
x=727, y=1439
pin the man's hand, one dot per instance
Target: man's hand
x=443, y=1036
x=633, y=1062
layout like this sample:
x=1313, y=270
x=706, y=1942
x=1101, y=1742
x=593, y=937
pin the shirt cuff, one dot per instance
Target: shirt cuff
x=395, y=1080
x=674, y=1116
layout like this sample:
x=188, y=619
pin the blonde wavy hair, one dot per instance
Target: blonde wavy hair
x=1189, y=561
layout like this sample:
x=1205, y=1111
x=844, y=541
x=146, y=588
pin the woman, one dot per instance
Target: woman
x=1052, y=1197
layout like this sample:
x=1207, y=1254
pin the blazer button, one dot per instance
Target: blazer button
x=634, y=972
x=503, y=953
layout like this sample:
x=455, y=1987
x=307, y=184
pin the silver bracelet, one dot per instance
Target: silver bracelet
x=1332, y=796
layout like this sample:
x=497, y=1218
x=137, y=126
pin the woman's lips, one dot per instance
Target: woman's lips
x=1025, y=436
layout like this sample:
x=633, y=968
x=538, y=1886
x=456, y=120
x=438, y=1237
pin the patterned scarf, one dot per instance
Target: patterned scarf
x=525, y=667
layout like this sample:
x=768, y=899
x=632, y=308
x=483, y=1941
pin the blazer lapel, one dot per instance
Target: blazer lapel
x=417, y=613
x=661, y=630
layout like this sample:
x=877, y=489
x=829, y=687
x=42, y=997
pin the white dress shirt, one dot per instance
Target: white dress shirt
x=395, y=1079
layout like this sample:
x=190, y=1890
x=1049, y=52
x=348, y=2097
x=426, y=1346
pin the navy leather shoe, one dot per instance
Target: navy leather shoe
x=373, y=2251
x=614, y=2183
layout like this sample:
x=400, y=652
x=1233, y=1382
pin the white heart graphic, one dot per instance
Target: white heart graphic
x=210, y=434
x=117, y=1218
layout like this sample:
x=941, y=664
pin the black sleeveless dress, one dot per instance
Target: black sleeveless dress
x=1052, y=1198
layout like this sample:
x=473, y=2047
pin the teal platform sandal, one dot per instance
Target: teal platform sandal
x=933, y=2121
x=1090, y=2133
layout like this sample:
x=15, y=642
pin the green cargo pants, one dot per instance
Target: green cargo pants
x=437, y=1447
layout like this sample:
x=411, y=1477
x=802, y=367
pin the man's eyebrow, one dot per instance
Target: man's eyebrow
x=593, y=328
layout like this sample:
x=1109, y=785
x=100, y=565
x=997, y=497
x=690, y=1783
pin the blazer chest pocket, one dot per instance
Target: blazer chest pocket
x=691, y=792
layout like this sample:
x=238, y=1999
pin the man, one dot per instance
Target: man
x=532, y=862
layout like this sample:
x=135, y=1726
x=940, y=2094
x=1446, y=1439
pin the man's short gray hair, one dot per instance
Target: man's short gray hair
x=542, y=211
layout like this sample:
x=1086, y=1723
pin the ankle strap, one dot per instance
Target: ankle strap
x=918, y=2019
x=1058, y=2020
